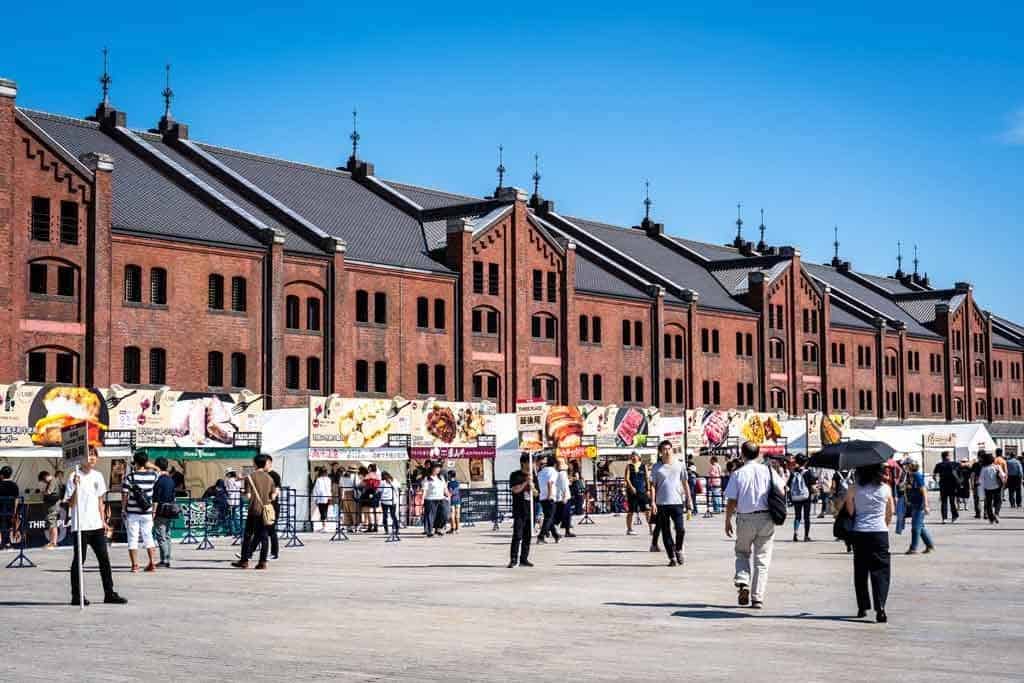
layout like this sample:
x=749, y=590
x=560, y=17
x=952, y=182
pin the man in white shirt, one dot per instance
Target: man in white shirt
x=84, y=497
x=563, y=496
x=747, y=496
x=547, y=480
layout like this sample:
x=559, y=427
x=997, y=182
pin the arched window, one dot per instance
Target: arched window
x=777, y=399
x=291, y=312
x=485, y=321
x=132, y=369
x=486, y=386
x=544, y=326
x=313, y=314
x=157, y=366
x=133, y=283
x=238, y=370
x=979, y=368
x=809, y=352
x=158, y=286
x=215, y=292
x=812, y=400
x=958, y=366
x=777, y=351
x=958, y=407
x=545, y=387
x=238, y=294
x=65, y=362
x=215, y=369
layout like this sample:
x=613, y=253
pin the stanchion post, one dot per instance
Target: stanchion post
x=206, y=543
x=190, y=538
x=290, y=512
x=21, y=560
x=339, y=531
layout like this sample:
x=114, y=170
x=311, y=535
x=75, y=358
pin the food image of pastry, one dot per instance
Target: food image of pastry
x=772, y=429
x=218, y=421
x=830, y=432
x=754, y=430
x=716, y=427
x=64, y=406
x=629, y=426
x=564, y=426
x=441, y=424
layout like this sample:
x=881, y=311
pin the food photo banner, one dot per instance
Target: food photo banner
x=365, y=428
x=706, y=428
x=584, y=431
x=825, y=430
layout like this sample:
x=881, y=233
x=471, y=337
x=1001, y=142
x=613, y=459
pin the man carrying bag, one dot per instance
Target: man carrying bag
x=260, y=489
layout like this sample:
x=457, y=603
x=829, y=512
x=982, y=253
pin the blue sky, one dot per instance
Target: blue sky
x=899, y=123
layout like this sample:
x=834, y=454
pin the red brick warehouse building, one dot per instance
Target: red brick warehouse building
x=145, y=257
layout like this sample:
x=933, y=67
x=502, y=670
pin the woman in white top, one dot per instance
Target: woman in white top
x=435, y=490
x=322, y=496
x=869, y=503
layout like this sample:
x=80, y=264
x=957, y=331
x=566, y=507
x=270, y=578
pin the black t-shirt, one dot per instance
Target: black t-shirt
x=277, y=484
x=8, y=490
x=947, y=473
x=520, y=504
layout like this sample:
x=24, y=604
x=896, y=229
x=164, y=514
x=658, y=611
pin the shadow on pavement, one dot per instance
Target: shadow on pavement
x=441, y=566
x=30, y=603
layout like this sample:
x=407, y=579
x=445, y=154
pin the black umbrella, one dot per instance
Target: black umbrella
x=848, y=455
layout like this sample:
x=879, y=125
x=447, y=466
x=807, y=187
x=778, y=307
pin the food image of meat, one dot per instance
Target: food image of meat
x=629, y=426
x=830, y=432
x=197, y=421
x=179, y=419
x=564, y=426
x=441, y=424
x=218, y=421
x=716, y=427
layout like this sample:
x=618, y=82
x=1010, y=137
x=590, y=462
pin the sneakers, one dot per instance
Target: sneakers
x=114, y=599
x=757, y=604
x=744, y=596
x=630, y=532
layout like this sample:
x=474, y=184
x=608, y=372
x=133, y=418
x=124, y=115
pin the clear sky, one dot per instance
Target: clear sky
x=901, y=121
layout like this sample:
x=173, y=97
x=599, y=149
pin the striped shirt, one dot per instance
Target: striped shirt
x=145, y=480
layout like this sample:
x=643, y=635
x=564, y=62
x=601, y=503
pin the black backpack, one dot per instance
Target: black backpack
x=139, y=497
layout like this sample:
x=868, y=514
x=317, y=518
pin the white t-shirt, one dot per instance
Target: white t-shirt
x=322, y=490
x=749, y=485
x=234, y=489
x=562, y=486
x=93, y=486
x=434, y=488
x=869, y=507
x=388, y=492
x=547, y=475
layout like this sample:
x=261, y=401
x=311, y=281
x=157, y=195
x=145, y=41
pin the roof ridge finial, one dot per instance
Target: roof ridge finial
x=761, y=245
x=501, y=166
x=536, y=175
x=899, y=259
x=835, y=242
x=105, y=79
x=354, y=137
x=647, y=201
x=167, y=93
x=739, y=221
x=915, y=260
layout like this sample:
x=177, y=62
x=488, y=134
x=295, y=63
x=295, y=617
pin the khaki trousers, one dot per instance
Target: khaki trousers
x=755, y=533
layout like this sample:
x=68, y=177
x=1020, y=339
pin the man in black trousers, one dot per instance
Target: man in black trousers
x=947, y=473
x=521, y=488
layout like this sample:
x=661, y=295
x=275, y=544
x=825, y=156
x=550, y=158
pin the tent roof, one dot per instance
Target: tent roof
x=285, y=429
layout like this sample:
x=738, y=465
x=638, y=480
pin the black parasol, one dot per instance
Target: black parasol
x=848, y=455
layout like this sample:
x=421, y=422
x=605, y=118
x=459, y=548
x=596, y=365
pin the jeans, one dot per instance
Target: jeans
x=255, y=533
x=1014, y=486
x=977, y=500
x=548, y=506
x=802, y=512
x=430, y=515
x=992, y=504
x=675, y=515
x=918, y=530
x=716, y=499
x=871, y=561
x=162, y=534
x=96, y=540
x=755, y=535
x=949, y=504
x=521, y=533
x=824, y=499
x=693, y=494
x=901, y=513
x=390, y=511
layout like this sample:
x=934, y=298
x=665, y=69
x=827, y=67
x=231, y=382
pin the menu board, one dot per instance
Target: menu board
x=825, y=430
x=584, y=430
x=478, y=505
x=707, y=428
x=361, y=428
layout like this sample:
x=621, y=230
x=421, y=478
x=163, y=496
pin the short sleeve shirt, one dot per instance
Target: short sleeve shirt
x=93, y=487
x=748, y=486
x=668, y=483
x=145, y=480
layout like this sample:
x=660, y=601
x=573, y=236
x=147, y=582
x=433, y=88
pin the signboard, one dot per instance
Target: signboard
x=479, y=505
x=707, y=428
x=585, y=430
x=75, y=443
x=676, y=439
x=358, y=427
x=183, y=419
x=216, y=453
x=530, y=416
x=825, y=430
x=940, y=440
x=32, y=415
x=119, y=438
x=360, y=454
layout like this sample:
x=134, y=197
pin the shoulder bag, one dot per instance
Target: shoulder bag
x=267, y=509
x=776, y=500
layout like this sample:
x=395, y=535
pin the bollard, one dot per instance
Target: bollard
x=21, y=560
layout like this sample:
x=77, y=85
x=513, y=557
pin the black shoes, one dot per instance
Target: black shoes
x=655, y=548
x=881, y=617
x=512, y=564
x=76, y=603
x=672, y=563
x=569, y=534
x=679, y=559
x=744, y=596
x=114, y=599
x=525, y=563
x=861, y=613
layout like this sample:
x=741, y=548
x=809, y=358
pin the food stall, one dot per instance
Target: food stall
x=720, y=433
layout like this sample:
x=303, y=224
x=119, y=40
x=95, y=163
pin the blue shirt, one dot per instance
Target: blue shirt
x=163, y=490
x=914, y=496
x=453, y=488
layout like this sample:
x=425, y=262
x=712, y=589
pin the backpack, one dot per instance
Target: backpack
x=798, y=491
x=140, y=498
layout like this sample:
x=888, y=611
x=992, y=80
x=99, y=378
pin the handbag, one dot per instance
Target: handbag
x=268, y=512
x=168, y=510
x=776, y=500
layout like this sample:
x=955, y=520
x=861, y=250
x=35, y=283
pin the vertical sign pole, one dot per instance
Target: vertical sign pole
x=81, y=548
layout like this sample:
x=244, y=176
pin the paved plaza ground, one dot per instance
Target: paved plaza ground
x=597, y=607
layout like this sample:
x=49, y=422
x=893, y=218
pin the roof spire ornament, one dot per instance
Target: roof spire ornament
x=739, y=221
x=354, y=137
x=105, y=79
x=899, y=259
x=647, y=201
x=167, y=93
x=501, y=166
x=536, y=175
x=915, y=261
x=835, y=242
x=762, y=245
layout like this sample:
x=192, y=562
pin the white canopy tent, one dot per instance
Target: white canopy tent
x=285, y=437
x=910, y=439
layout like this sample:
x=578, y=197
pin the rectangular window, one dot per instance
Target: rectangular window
x=678, y=351
x=740, y=394
x=478, y=386
x=705, y=392
x=538, y=285
x=65, y=368
x=667, y=346
x=157, y=366
x=597, y=387
x=638, y=334
x=380, y=377
x=238, y=294
x=595, y=331
x=778, y=316
x=679, y=391
x=37, y=278
x=158, y=286
x=716, y=397
x=549, y=328
x=638, y=393
x=492, y=387
x=739, y=344
x=132, y=370
x=422, y=378
x=492, y=322
x=362, y=376
x=440, y=381
x=313, y=374
x=69, y=222
x=133, y=284
x=380, y=308
x=313, y=314
x=493, y=283
x=238, y=375
x=668, y=392
x=439, y=321
x=627, y=389
x=842, y=354
x=36, y=366
x=705, y=340
x=714, y=341
x=535, y=327
x=214, y=292
x=291, y=372
x=40, y=228
x=771, y=317
x=477, y=321
x=215, y=369
x=552, y=287
x=627, y=333
x=478, y=277
x=362, y=307
x=807, y=324
x=584, y=329
x=422, y=312
x=584, y=387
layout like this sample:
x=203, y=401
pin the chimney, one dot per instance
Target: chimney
x=510, y=194
x=962, y=287
x=359, y=169
x=650, y=227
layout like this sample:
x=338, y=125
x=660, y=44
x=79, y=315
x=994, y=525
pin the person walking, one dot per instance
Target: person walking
x=51, y=499
x=322, y=496
x=84, y=498
x=977, y=493
x=389, y=497
x=947, y=474
x=715, y=484
x=520, y=486
x=233, y=488
x=671, y=501
x=991, y=483
x=547, y=479
x=276, y=502
x=1000, y=462
x=747, y=502
x=869, y=503
x=455, y=498
x=691, y=480
x=435, y=490
x=636, y=492
x=917, y=501
x=137, y=502
x=824, y=490
x=563, y=499
x=259, y=487
x=801, y=485
x=347, y=484
x=1014, y=480
x=164, y=512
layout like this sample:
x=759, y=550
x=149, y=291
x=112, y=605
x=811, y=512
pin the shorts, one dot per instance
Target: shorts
x=53, y=517
x=639, y=502
x=139, y=528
